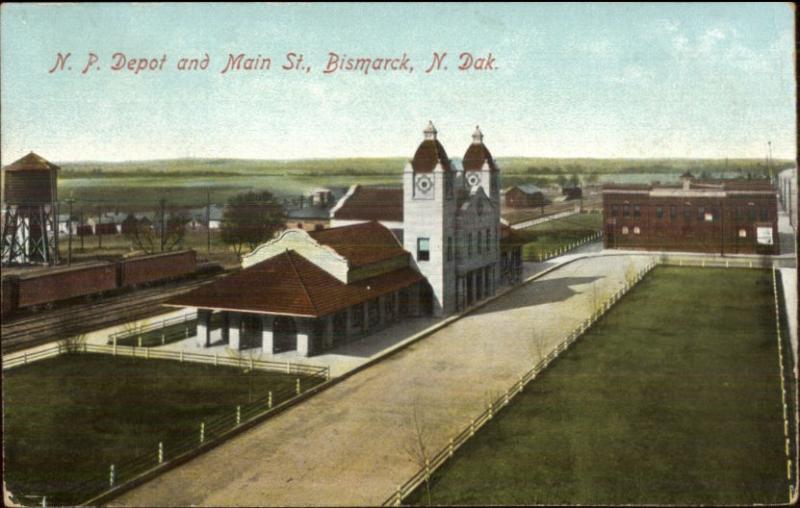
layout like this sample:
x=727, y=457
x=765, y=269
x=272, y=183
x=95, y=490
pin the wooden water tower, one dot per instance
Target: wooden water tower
x=30, y=211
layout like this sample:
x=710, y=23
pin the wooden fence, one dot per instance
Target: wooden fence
x=240, y=360
x=436, y=461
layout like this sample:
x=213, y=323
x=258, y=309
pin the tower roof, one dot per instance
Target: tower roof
x=477, y=154
x=31, y=162
x=429, y=153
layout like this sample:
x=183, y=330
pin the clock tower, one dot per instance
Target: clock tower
x=429, y=219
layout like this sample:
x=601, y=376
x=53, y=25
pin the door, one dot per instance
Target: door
x=284, y=334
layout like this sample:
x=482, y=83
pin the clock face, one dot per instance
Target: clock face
x=473, y=179
x=424, y=184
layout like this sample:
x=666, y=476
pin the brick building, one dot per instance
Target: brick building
x=722, y=216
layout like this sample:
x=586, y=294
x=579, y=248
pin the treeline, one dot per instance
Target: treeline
x=393, y=166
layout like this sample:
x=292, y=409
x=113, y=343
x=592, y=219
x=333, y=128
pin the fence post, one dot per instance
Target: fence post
x=238, y=415
x=202, y=432
x=111, y=476
x=269, y=400
x=187, y=331
x=472, y=427
x=25, y=358
x=288, y=365
x=44, y=500
x=215, y=360
x=398, y=497
x=181, y=355
x=160, y=452
x=450, y=447
x=491, y=410
x=297, y=386
x=139, y=341
x=163, y=338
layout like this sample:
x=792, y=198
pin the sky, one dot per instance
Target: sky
x=568, y=80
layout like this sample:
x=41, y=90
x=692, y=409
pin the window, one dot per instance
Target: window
x=423, y=249
x=637, y=211
x=636, y=230
x=626, y=211
x=449, y=248
x=478, y=243
x=614, y=210
x=742, y=233
x=764, y=214
x=739, y=214
x=751, y=214
x=673, y=212
x=624, y=230
x=701, y=213
x=659, y=212
x=488, y=240
x=687, y=213
x=469, y=245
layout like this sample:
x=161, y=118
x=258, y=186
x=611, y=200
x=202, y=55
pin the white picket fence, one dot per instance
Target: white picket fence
x=242, y=361
x=424, y=473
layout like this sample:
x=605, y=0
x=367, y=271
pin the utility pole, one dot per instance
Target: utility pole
x=97, y=229
x=69, y=232
x=82, y=230
x=769, y=159
x=208, y=221
x=162, y=203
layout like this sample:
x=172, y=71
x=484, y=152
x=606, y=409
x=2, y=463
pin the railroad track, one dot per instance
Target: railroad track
x=50, y=326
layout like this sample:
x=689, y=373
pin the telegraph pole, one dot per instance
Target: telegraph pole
x=82, y=230
x=98, y=230
x=69, y=232
x=769, y=159
x=162, y=203
x=208, y=221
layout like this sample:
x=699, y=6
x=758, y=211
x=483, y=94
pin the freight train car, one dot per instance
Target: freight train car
x=44, y=287
x=144, y=270
x=41, y=287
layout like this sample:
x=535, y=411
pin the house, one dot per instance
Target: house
x=308, y=291
x=718, y=216
x=199, y=216
x=572, y=192
x=525, y=196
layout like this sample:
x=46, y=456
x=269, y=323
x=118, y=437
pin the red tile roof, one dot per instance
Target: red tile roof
x=372, y=203
x=428, y=154
x=475, y=156
x=289, y=284
x=362, y=244
x=31, y=162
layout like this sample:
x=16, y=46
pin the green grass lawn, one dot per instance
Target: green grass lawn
x=672, y=398
x=68, y=418
x=548, y=237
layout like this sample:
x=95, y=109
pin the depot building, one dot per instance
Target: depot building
x=432, y=248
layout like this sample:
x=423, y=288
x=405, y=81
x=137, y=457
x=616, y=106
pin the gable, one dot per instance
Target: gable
x=302, y=243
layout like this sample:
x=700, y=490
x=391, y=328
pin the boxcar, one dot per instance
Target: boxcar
x=143, y=270
x=54, y=284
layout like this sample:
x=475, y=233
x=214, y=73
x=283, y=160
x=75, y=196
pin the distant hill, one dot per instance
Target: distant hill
x=393, y=165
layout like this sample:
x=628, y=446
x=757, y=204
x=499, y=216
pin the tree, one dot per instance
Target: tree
x=168, y=233
x=250, y=219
